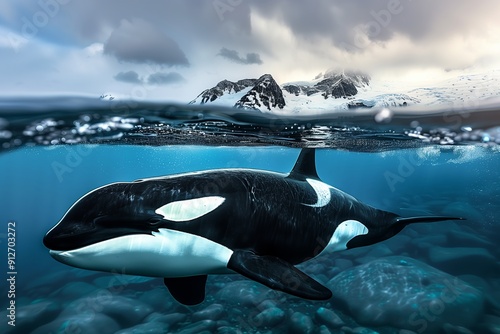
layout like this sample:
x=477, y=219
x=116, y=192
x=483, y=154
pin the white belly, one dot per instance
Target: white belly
x=167, y=253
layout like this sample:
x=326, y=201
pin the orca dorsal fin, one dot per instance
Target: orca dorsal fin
x=305, y=167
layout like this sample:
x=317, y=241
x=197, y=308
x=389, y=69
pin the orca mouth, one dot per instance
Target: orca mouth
x=67, y=235
x=58, y=243
x=71, y=236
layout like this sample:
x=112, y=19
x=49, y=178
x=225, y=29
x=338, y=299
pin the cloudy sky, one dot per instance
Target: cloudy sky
x=173, y=49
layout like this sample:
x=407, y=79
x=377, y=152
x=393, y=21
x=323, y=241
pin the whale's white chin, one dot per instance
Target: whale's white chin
x=167, y=253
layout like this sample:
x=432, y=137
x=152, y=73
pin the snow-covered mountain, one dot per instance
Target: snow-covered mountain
x=334, y=84
x=265, y=94
x=225, y=87
x=260, y=94
x=460, y=91
x=342, y=90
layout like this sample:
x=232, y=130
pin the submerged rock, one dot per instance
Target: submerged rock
x=74, y=290
x=379, y=250
x=199, y=327
x=329, y=318
x=146, y=328
x=324, y=330
x=463, y=260
x=170, y=319
x=490, y=324
x=228, y=330
x=300, y=324
x=450, y=329
x=159, y=298
x=404, y=293
x=266, y=304
x=32, y=316
x=244, y=293
x=83, y=323
x=343, y=264
x=127, y=312
x=431, y=240
x=357, y=330
x=460, y=238
x=354, y=253
x=119, y=282
x=476, y=282
x=269, y=317
x=212, y=312
x=398, y=243
x=48, y=282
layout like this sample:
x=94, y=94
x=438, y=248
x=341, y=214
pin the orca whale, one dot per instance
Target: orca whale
x=184, y=227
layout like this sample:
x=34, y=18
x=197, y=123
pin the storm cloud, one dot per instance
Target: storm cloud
x=129, y=76
x=292, y=39
x=161, y=78
x=137, y=32
x=233, y=55
x=138, y=41
x=344, y=22
x=202, y=21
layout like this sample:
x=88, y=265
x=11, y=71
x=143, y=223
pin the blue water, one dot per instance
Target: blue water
x=38, y=184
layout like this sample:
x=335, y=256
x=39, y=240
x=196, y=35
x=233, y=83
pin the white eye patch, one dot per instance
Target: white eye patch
x=190, y=209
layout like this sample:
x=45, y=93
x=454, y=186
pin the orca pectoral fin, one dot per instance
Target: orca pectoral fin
x=277, y=274
x=187, y=290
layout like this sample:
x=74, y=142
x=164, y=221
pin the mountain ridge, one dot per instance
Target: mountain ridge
x=265, y=93
x=211, y=94
x=343, y=90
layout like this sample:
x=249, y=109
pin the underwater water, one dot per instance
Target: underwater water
x=441, y=277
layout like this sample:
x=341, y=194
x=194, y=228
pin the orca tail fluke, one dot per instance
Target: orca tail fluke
x=395, y=225
x=424, y=219
x=400, y=223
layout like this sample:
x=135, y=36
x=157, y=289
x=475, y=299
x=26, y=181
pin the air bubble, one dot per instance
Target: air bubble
x=384, y=115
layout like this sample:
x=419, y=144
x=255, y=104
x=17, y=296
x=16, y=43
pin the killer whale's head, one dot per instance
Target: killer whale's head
x=123, y=227
x=104, y=213
x=98, y=227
